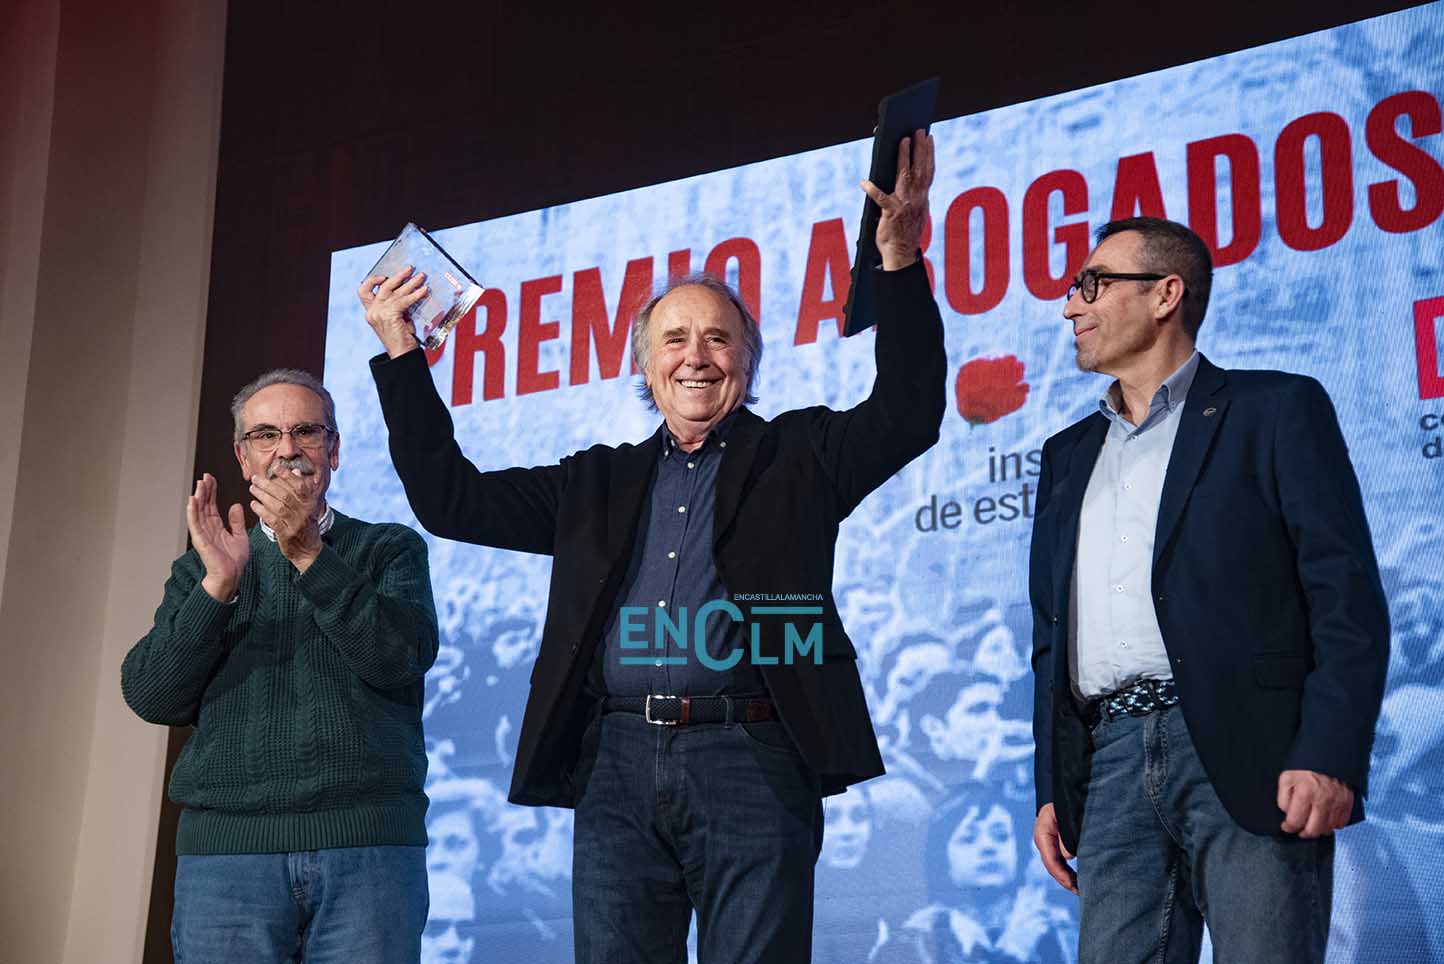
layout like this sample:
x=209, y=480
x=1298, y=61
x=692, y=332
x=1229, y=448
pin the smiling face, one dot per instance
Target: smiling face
x=1121, y=326
x=697, y=364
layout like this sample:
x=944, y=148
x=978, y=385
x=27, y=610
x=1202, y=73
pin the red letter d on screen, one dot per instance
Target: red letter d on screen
x=1426, y=347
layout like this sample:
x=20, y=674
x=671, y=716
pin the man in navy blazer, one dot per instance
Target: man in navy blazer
x=697, y=775
x=1210, y=632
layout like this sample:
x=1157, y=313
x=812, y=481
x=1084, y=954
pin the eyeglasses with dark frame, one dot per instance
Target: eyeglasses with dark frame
x=1086, y=283
x=307, y=435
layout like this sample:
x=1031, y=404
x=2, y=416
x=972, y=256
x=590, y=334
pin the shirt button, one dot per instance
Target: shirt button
x=691, y=465
x=1117, y=588
x=671, y=555
x=1128, y=485
x=1122, y=538
x=658, y=663
x=724, y=444
x=681, y=508
x=663, y=603
x=1122, y=644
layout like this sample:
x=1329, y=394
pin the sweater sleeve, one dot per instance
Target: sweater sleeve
x=384, y=628
x=166, y=672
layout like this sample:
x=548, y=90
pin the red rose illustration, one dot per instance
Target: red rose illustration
x=989, y=388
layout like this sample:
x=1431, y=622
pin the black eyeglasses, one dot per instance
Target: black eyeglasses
x=1087, y=281
x=307, y=435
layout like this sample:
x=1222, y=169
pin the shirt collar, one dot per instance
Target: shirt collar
x=324, y=524
x=718, y=434
x=1171, y=394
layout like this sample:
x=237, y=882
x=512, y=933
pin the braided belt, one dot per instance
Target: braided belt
x=1140, y=699
x=681, y=710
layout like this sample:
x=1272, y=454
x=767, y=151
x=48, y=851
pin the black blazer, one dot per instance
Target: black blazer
x=1265, y=586
x=784, y=486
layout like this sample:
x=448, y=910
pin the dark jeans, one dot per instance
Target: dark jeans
x=1158, y=855
x=722, y=818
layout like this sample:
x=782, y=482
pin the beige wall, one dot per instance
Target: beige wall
x=106, y=198
x=27, y=86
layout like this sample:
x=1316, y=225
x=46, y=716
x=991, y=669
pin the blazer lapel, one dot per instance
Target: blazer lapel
x=1070, y=505
x=743, y=443
x=1202, y=414
x=631, y=473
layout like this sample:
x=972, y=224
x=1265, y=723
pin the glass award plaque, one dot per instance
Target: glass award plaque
x=453, y=290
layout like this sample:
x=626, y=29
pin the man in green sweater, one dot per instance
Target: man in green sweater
x=296, y=651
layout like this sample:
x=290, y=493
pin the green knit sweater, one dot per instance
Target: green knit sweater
x=305, y=695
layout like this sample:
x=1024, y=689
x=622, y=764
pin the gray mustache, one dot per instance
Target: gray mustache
x=299, y=463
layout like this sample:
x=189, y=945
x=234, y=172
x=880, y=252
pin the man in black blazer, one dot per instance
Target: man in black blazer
x=1210, y=633
x=696, y=773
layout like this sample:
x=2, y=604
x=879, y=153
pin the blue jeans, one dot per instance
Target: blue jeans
x=357, y=905
x=725, y=819
x=1158, y=856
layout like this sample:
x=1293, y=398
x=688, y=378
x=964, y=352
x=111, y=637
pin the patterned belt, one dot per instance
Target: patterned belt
x=1140, y=699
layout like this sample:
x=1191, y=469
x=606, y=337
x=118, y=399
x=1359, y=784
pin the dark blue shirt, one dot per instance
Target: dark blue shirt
x=673, y=574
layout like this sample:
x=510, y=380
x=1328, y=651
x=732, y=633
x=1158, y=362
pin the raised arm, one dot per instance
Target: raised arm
x=865, y=445
x=165, y=673
x=509, y=509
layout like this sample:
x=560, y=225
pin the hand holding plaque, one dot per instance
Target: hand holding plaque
x=899, y=180
x=416, y=293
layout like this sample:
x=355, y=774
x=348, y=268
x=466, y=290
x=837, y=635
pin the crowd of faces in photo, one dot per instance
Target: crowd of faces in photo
x=931, y=863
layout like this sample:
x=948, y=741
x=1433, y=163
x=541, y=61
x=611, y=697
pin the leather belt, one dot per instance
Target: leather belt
x=683, y=710
x=1140, y=699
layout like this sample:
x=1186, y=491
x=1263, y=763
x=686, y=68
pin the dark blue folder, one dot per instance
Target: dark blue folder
x=898, y=116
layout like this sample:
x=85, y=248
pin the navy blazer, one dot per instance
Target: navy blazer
x=784, y=487
x=1265, y=586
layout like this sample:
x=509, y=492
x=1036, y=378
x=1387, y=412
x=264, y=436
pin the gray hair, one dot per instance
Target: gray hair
x=751, y=332
x=284, y=376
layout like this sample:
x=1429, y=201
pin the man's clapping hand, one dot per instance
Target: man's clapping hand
x=224, y=550
x=289, y=503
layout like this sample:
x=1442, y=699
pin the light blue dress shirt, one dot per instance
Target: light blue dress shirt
x=1113, y=634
